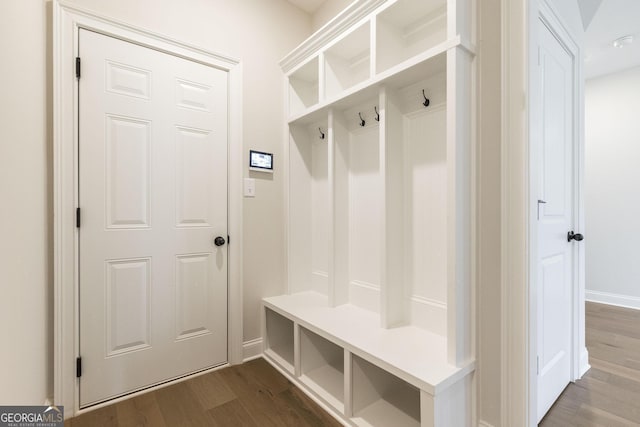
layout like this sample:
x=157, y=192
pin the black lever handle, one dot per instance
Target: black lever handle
x=219, y=241
x=574, y=236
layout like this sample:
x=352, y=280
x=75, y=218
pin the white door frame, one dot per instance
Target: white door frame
x=67, y=20
x=550, y=19
x=519, y=225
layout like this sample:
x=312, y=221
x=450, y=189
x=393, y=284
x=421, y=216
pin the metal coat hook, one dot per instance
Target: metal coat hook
x=321, y=133
x=362, y=122
x=426, y=100
x=377, y=114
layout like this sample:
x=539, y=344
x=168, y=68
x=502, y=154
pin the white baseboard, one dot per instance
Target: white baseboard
x=613, y=299
x=484, y=424
x=584, y=362
x=251, y=349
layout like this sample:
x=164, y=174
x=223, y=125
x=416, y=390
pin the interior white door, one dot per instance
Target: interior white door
x=153, y=199
x=555, y=219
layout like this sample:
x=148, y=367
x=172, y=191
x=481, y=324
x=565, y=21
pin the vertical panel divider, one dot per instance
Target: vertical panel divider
x=385, y=320
x=297, y=365
x=348, y=384
x=373, y=46
x=339, y=201
x=427, y=409
x=321, y=77
x=459, y=206
x=394, y=303
x=460, y=20
x=331, y=256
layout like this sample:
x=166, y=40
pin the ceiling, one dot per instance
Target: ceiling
x=605, y=21
x=309, y=6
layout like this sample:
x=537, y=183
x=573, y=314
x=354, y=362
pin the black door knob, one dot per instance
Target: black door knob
x=574, y=236
x=219, y=241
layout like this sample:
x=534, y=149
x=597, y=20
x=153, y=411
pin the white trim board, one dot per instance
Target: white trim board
x=251, y=349
x=619, y=300
x=67, y=20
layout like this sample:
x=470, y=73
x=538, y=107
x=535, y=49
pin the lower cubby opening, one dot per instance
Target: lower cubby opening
x=322, y=367
x=280, y=341
x=382, y=399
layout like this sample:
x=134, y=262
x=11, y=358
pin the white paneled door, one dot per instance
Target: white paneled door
x=555, y=269
x=153, y=226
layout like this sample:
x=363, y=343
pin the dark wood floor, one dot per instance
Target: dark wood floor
x=253, y=394
x=609, y=394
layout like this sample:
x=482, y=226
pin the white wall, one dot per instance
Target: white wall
x=25, y=204
x=259, y=32
x=612, y=188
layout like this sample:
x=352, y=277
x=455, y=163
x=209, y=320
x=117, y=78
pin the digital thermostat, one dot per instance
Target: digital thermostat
x=260, y=162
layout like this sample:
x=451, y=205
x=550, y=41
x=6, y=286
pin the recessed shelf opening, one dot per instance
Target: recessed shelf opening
x=357, y=202
x=303, y=87
x=308, y=201
x=407, y=28
x=382, y=399
x=347, y=63
x=416, y=178
x=322, y=367
x=280, y=340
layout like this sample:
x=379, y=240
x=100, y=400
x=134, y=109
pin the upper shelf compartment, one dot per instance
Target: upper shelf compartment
x=303, y=87
x=407, y=28
x=348, y=62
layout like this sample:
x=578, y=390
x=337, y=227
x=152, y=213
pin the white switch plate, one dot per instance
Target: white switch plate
x=249, y=187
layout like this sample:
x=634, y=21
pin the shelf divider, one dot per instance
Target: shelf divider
x=339, y=188
x=394, y=304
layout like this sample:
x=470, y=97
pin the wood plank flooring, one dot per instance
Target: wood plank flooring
x=609, y=393
x=256, y=395
x=251, y=395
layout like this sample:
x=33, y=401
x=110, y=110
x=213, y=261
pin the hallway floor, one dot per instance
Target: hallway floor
x=609, y=394
x=251, y=395
x=255, y=394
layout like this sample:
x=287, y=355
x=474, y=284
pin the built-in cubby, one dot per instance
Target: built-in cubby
x=304, y=87
x=348, y=61
x=308, y=201
x=414, y=147
x=381, y=399
x=322, y=367
x=379, y=213
x=407, y=28
x=279, y=340
x=357, y=203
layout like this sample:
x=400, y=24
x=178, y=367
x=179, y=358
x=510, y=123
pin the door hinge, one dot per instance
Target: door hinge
x=78, y=217
x=78, y=367
x=537, y=365
x=77, y=67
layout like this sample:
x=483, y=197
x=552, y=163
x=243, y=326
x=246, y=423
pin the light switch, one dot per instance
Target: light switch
x=249, y=187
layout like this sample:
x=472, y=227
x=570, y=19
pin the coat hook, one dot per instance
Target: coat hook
x=362, y=122
x=321, y=133
x=377, y=114
x=426, y=100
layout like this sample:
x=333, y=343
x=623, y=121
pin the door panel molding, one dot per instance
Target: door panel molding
x=67, y=21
